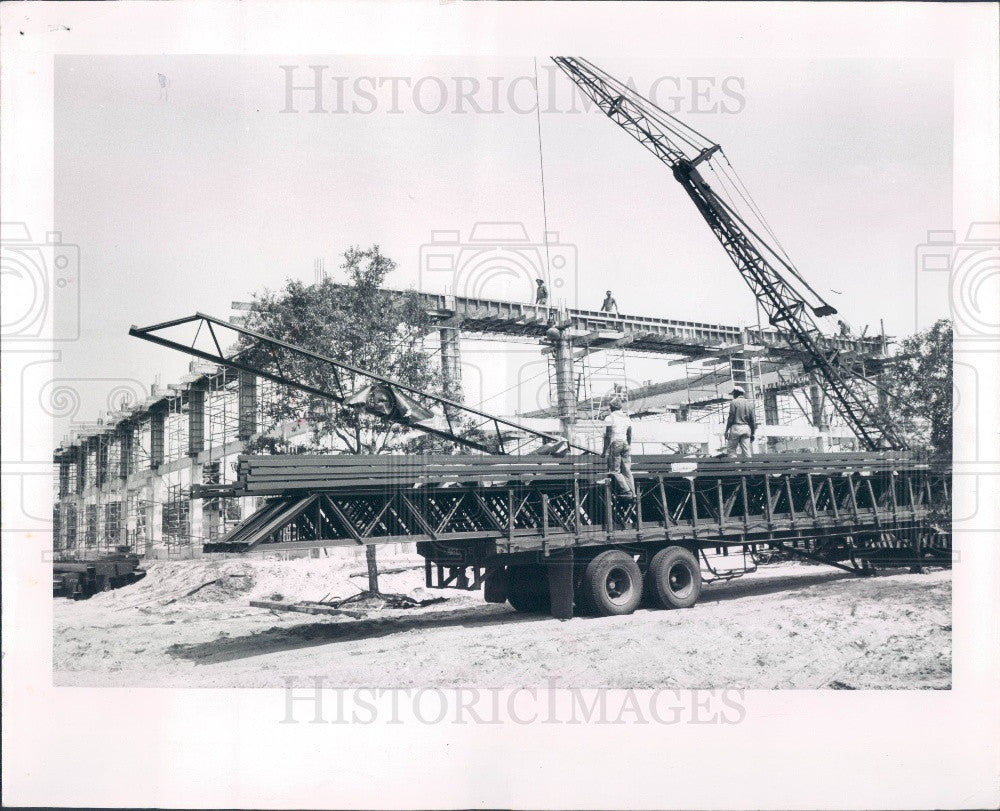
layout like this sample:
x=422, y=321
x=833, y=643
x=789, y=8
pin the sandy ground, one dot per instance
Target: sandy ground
x=787, y=626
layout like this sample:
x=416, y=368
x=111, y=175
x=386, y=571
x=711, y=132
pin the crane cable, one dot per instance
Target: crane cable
x=541, y=170
x=675, y=126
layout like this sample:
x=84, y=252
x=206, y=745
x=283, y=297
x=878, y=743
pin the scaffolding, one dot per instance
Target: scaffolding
x=176, y=430
x=222, y=410
x=137, y=504
x=710, y=381
x=111, y=536
x=219, y=514
x=57, y=525
x=91, y=526
x=176, y=521
x=600, y=377
x=70, y=527
x=112, y=458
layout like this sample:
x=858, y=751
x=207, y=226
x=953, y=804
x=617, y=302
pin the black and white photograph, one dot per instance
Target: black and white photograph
x=384, y=388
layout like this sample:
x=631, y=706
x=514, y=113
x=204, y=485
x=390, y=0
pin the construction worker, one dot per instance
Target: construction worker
x=610, y=305
x=617, y=448
x=741, y=427
x=541, y=292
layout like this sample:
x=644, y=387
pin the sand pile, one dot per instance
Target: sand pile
x=338, y=574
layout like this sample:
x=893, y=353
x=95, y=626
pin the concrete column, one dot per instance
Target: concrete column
x=127, y=448
x=816, y=407
x=451, y=362
x=565, y=384
x=102, y=442
x=196, y=512
x=770, y=408
x=883, y=397
x=196, y=418
x=63, y=478
x=154, y=512
x=157, y=435
x=247, y=405
x=81, y=467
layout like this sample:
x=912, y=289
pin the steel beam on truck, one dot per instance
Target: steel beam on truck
x=835, y=507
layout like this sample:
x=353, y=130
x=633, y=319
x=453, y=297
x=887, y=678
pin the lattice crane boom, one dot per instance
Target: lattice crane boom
x=785, y=303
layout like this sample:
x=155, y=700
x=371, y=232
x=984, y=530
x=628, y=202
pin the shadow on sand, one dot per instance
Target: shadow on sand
x=310, y=634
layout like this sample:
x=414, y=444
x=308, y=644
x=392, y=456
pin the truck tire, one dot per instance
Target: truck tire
x=528, y=588
x=674, y=578
x=612, y=584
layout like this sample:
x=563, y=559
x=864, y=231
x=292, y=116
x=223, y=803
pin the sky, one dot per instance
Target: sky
x=191, y=182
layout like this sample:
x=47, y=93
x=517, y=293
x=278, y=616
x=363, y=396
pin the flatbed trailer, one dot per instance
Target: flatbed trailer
x=80, y=578
x=553, y=533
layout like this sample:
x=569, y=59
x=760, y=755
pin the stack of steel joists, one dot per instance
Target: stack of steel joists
x=840, y=505
x=287, y=474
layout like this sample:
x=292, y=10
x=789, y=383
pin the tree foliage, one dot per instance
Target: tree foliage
x=921, y=388
x=358, y=323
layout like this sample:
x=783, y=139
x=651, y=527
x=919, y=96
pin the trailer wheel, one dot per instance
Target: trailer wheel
x=674, y=578
x=528, y=588
x=612, y=584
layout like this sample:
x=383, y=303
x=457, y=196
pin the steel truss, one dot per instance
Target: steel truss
x=324, y=377
x=855, y=516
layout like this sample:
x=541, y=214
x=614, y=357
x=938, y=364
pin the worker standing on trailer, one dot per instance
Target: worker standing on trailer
x=610, y=305
x=741, y=427
x=617, y=448
x=541, y=292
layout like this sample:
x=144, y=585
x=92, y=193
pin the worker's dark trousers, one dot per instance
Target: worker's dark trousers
x=620, y=466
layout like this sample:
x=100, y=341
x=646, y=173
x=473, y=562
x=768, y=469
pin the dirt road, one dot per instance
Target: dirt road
x=787, y=626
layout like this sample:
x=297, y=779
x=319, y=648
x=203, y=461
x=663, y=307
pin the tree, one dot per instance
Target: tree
x=920, y=385
x=360, y=324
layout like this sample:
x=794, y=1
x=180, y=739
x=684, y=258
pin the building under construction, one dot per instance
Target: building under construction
x=156, y=477
x=126, y=480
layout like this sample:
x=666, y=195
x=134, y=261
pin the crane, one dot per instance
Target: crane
x=787, y=299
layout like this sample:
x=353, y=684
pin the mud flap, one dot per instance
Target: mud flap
x=559, y=568
x=495, y=584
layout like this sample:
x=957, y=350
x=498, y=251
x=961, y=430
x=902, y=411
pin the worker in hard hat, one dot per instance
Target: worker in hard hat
x=741, y=427
x=617, y=448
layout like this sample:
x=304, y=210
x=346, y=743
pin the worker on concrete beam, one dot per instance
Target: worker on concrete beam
x=610, y=305
x=541, y=292
x=741, y=427
x=617, y=448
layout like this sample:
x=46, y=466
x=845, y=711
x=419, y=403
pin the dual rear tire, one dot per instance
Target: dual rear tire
x=528, y=588
x=613, y=584
x=673, y=579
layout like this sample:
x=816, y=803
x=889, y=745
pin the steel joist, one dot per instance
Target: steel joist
x=853, y=508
